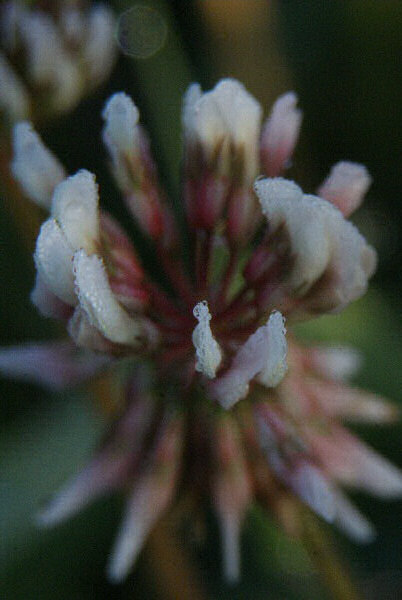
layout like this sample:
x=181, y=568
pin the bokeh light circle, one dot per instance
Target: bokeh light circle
x=141, y=31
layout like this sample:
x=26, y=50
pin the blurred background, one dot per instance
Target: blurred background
x=343, y=60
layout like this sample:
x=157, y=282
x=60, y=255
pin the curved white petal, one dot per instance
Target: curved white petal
x=75, y=207
x=100, y=304
x=53, y=259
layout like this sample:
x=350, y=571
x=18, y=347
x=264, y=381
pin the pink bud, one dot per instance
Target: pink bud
x=280, y=134
x=346, y=186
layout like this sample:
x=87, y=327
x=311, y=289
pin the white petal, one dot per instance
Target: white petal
x=208, y=353
x=346, y=186
x=98, y=301
x=121, y=120
x=264, y=353
x=36, y=168
x=14, y=98
x=75, y=207
x=46, y=302
x=226, y=113
x=276, y=366
x=53, y=259
x=320, y=239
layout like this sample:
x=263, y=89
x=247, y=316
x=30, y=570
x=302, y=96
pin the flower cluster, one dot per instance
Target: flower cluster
x=205, y=331
x=51, y=55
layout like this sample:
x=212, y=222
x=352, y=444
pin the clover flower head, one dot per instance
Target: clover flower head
x=51, y=56
x=205, y=332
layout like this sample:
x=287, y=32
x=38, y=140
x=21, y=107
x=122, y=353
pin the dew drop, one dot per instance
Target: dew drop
x=141, y=31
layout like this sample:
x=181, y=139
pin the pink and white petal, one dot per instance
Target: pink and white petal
x=151, y=496
x=53, y=259
x=354, y=463
x=338, y=400
x=85, y=335
x=264, y=354
x=346, y=186
x=54, y=365
x=280, y=134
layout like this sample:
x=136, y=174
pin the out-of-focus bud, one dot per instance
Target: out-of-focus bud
x=60, y=53
x=134, y=168
x=151, y=495
x=231, y=492
x=14, y=98
x=280, y=134
x=34, y=166
x=346, y=186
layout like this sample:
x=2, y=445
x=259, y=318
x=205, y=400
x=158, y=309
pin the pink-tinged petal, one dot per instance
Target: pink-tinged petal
x=47, y=303
x=280, y=134
x=56, y=365
x=110, y=467
x=53, y=260
x=353, y=463
x=231, y=492
x=346, y=186
x=34, y=166
x=291, y=461
x=263, y=354
x=85, y=335
x=152, y=494
x=119, y=249
x=333, y=362
x=350, y=520
x=337, y=400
